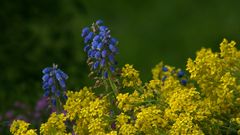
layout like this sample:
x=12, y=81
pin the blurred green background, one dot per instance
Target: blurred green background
x=34, y=34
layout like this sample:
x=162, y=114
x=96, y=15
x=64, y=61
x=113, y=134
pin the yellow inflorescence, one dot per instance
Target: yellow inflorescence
x=19, y=127
x=88, y=111
x=149, y=120
x=130, y=76
x=76, y=101
x=216, y=75
x=127, y=102
x=125, y=125
x=184, y=126
x=55, y=125
x=208, y=103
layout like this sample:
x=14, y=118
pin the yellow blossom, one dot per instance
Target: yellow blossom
x=184, y=125
x=55, y=125
x=128, y=102
x=149, y=120
x=20, y=127
x=89, y=111
x=77, y=100
x=130, y=76
x=124, y=125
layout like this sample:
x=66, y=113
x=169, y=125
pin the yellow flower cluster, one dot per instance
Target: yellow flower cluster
x=130, y=76
x=88, y=111
x=150, y=120
x=215, y=73
x=128, y=102
x=76, y=101
x=55, y=125
x=181, y=105
x=124, y=125
x=184, y=125
x=206, y=102
x=19, y=127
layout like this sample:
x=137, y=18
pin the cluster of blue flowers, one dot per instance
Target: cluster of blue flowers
x=180, y=75
x=54, y=83
x=101, y=48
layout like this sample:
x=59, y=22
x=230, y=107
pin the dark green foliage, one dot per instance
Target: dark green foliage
x=35, y=34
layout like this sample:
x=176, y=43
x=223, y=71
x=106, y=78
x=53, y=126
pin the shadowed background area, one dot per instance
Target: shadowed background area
x=35, y=34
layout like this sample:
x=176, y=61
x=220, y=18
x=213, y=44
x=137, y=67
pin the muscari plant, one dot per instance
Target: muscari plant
x=206, y=100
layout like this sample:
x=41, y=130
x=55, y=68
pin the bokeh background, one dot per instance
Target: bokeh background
x=34, y=34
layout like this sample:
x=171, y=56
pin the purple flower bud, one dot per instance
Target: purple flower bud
x=41, y=104
x=96, y=64
x=104, y=53
x=54, y=102
x=65, y=96
x=113, y=41
x=97, y=55
x=112, y=69
x=180, y=74
x=50, y=81
x=58, y=76
x=99, y=22
x=184, y=82
x=46, y=93
x=88, y=37
x=165, y=69
x=100, y=46
x=45, y=85
x=45, y=77
x=46, y=70
x=113, y=48
x=64, y=75
x=113, y=125
x=85, y=31
x=89, y=52
x=58, y=93
x=96, y=38
x=53, y=88
x=102, y=63
x=62, y=84
x=92, y=54
x=86, y=48
x=94, y=45
x=9, y=114
x=105, y=74
x=103, y=28
x=111, y=59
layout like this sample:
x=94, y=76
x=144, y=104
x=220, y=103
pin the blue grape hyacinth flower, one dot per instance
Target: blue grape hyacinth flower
x=54, y=83
x=101, y=49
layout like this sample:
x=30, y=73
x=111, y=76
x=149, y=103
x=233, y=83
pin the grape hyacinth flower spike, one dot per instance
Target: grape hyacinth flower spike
x=101, y=49
x=54, y=85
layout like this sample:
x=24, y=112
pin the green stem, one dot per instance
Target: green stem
x=58, y=106
x=113, y=86
x=106, y=85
